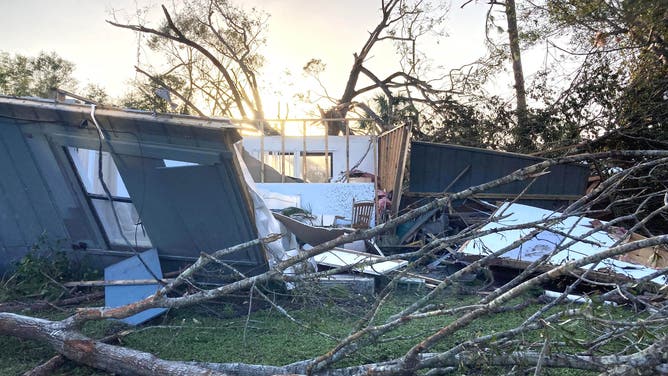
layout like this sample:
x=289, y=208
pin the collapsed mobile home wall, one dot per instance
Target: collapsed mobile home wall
x=441, y=168
x=182, y=187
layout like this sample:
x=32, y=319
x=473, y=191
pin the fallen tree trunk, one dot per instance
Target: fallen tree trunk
x=96, y=354
x=42, y=304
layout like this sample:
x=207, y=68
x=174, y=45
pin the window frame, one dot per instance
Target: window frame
x=91, y=197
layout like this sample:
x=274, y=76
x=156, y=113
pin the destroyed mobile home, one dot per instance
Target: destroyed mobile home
x=143, y=195
x=110, y=183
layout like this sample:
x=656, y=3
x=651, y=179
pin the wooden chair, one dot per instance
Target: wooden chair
x=362, y=211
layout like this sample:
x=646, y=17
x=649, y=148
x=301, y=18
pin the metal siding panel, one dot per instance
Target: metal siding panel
x=417, y=177
x=38, y=188
x=66, y=191
x=437, y=170
x=163, y=228
x=556, y=182
x=477, y=174
x=129, y=269
x=11, y=234
x=575, y=179
x=440, y=171
x=181, y=136
x=508, y=166
x=433, y=166
x=424, y=170
x=205, y=199
x=30, y=201
x=186, y=210
x=431, y=180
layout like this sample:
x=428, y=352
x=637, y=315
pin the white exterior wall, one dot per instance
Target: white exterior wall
x=324, y=199
x=316, y=144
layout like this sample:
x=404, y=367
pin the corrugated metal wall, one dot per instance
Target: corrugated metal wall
x=434, y=168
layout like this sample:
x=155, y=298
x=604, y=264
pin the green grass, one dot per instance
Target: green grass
x=217, y=333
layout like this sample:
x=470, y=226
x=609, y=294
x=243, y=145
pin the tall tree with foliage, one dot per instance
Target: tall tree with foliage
x=35, y=76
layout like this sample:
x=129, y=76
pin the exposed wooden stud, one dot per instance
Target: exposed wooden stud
x=401, y=163
x=327, y=167
x=282, y=151
x=304, y=153
x=347, y=152
x=374, y=140
x=262, y=159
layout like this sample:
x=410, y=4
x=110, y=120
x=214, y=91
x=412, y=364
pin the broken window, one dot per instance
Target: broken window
x=280, y=161
x=312, y=167
x=173, y=163
x=87, y=165
x=318, y=167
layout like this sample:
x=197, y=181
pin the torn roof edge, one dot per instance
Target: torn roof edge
x=117, y=112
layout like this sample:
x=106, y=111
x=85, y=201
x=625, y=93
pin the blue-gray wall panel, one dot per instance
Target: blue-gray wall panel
x=25, y=187
x=434, y=166
x=211, y=208
x=66, y=191
x=187, y=210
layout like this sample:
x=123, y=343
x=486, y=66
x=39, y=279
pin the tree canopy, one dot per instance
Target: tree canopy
x=34, y=76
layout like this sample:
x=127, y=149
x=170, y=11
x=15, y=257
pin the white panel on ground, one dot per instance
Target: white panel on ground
x=342, y=257
x=572, y=228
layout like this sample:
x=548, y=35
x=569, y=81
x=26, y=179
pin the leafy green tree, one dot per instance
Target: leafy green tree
x=620, y=88
x=154, y=93
x=96, y=93
x=618, y=97
x=34, y=76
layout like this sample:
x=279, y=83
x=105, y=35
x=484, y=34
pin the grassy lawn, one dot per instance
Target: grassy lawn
x=223, y=332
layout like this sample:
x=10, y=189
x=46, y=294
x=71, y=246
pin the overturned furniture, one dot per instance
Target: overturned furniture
x=172, y=182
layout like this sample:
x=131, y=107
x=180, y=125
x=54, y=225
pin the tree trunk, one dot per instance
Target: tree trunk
x=523, y=131
x=90, y=352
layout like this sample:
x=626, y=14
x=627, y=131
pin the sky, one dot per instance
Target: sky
x=298, y=31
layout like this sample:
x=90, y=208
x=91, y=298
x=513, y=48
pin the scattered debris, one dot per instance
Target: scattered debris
x=339, y=257
x=313, y=235
x=570, y=239
x=44, y=305
x=355, y=283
